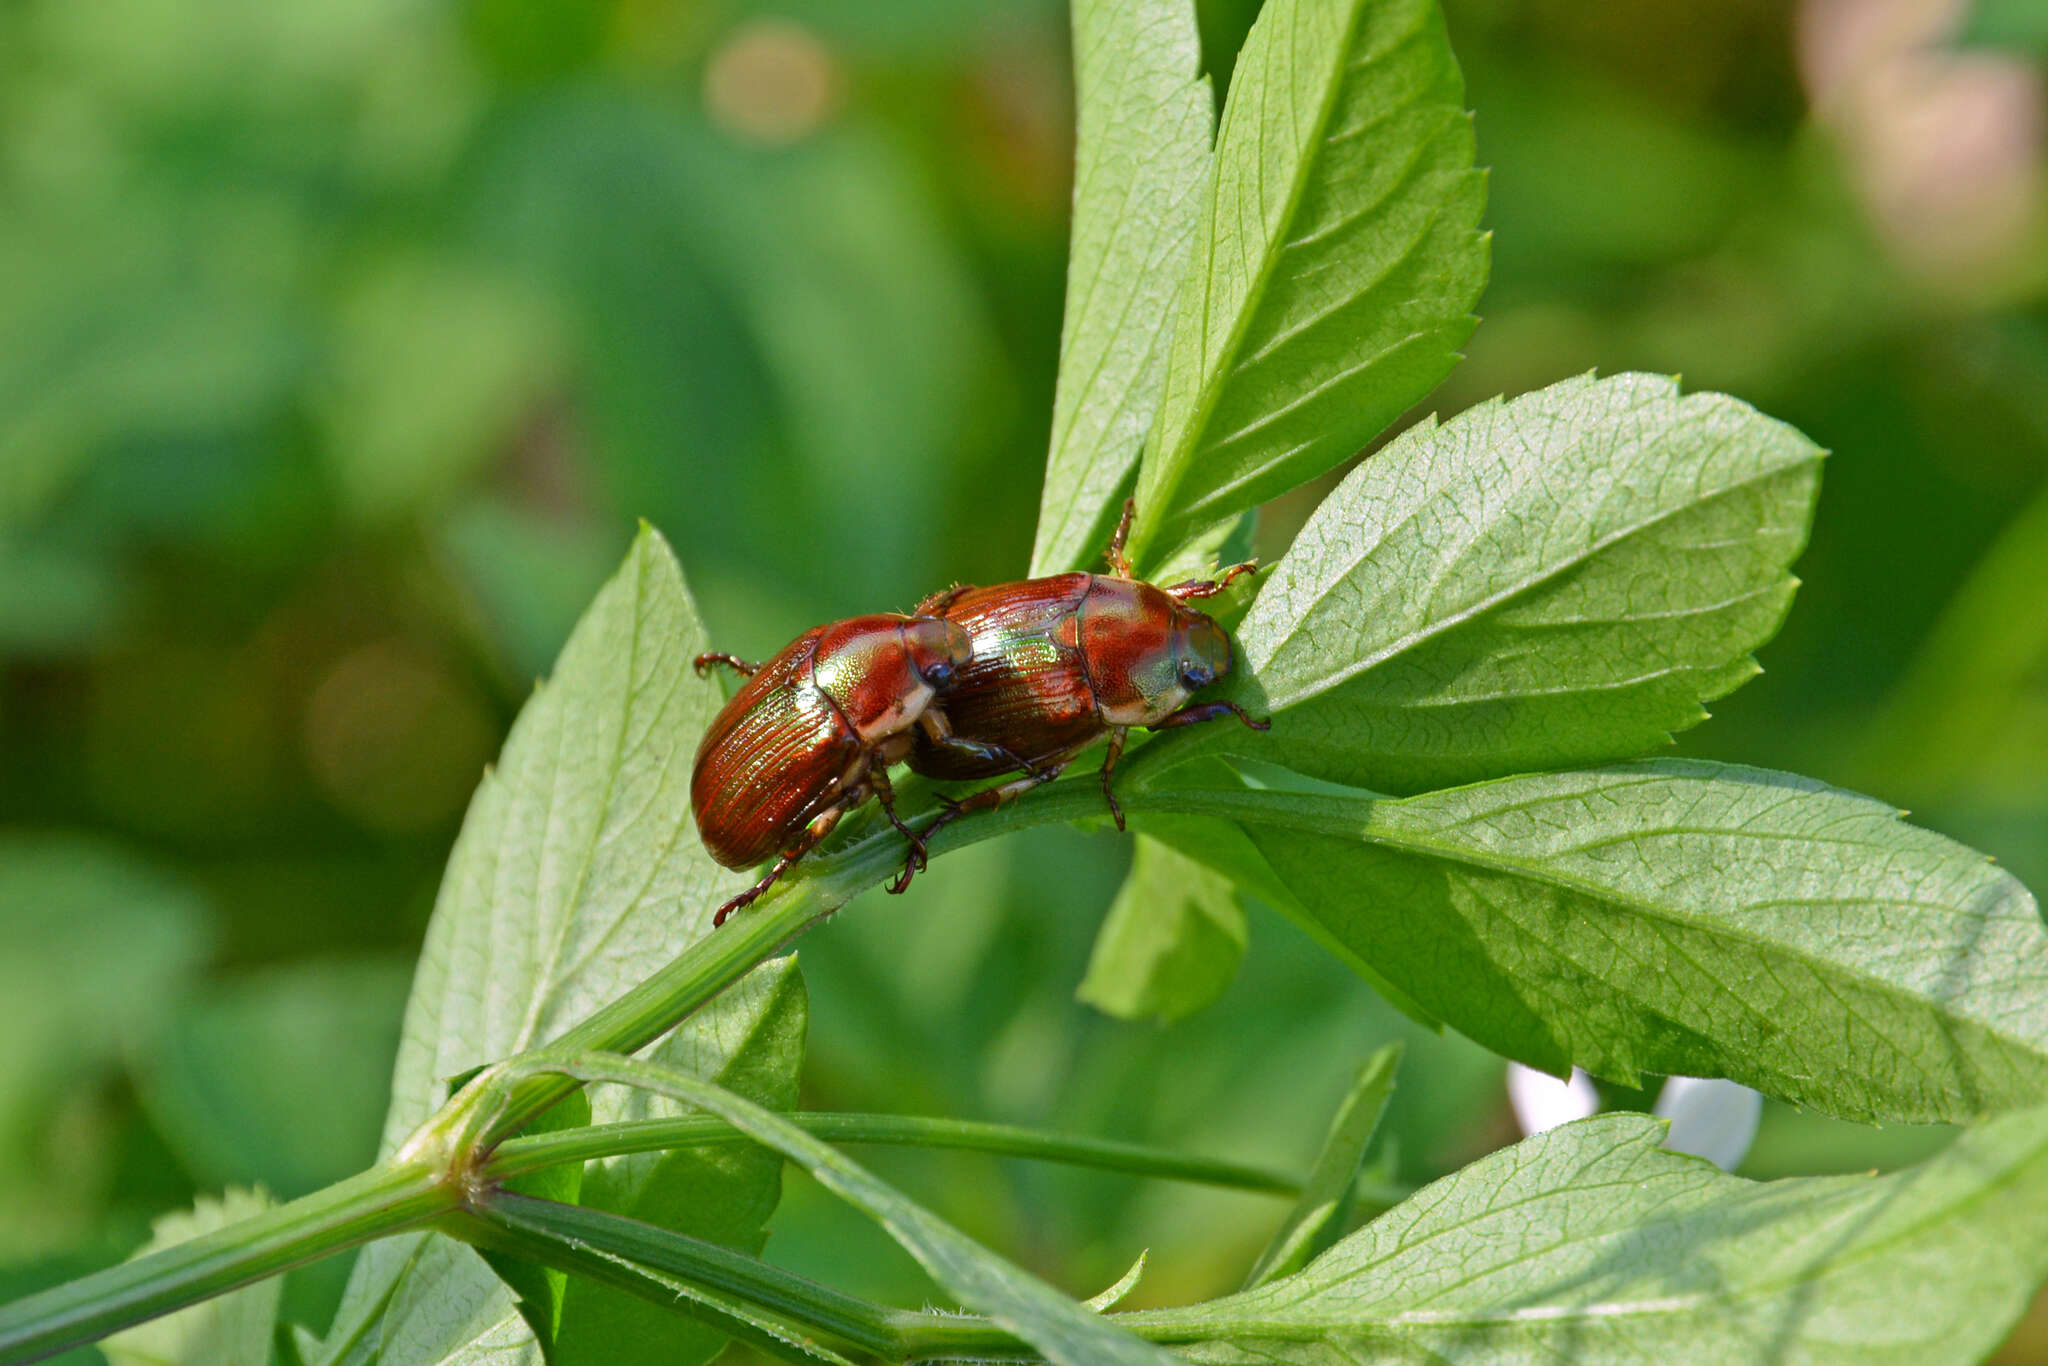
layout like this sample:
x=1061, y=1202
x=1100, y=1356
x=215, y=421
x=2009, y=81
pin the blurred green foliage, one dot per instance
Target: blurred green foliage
x=342, y=342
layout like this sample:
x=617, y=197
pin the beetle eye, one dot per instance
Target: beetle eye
x=1195, y=675
x=938, y=673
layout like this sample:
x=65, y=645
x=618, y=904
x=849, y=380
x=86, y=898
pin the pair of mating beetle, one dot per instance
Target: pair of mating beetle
x=1020, y=677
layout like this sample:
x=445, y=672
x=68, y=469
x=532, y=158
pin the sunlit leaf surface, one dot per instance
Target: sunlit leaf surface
x=1591, y=1244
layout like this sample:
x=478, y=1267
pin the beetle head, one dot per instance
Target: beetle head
x=1201, y=650
x=1146, y=653
x=1167, y=659
x=938, y=650
x=882, y=671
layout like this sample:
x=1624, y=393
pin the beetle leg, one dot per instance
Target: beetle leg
x=1119, y=563
x=978, y=749
x=1207, y=711
x=739, y=666
x=820, y=826
x=914, y=862
x=938, y=602
x=1209, y=588
x=989, y=798
x=940, y=732
x=1116, y=749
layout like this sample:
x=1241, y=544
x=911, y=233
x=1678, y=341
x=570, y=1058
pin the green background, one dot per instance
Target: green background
x=342, y=342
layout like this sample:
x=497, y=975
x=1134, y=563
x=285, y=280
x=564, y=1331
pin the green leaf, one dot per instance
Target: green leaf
x=1558, y=579
x=1067, y=1333
x=427, y=1299
x=1142, y=149
x=1591, y=1244
x=751, y=1042
x=1335, y=267
x=1688, y=918
x=677, y=1274
x=1223, y=847
x=278, y=1076
x=1318, y=1216
x=1173, y=937
x=577, y=872
x=539, y=1290
x=578, y=867
x=230, y=1330
x=1125, y=1284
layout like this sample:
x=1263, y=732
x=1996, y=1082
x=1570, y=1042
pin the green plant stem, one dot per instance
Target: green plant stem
x=381, y=1201
x=577, y=1239
x=518, y=1156
x=813, y=891
x=611, y=1247
x=737, y=1295
x=393, y=1196
x=550, y=1226
x=978, y=1277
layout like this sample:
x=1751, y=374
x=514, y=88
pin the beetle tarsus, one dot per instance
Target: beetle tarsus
x=749, y=896
x=916, y=860
x=1209, y=588
x=1116, y=750
x=1209, y=711
x=919, y=857
x=913, y=864
x=1119, y=563
x=744, y=668
x=820, y=826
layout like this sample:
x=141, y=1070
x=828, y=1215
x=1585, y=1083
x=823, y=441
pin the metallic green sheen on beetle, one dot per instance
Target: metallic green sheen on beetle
x=1061, y=662
x=811, y=736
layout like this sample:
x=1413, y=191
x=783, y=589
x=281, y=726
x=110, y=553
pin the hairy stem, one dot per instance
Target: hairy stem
x=381, y=1201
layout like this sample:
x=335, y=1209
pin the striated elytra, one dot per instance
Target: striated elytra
x=1058, y=663
x=811, y=735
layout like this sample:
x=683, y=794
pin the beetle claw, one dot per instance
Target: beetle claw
x=915, y=862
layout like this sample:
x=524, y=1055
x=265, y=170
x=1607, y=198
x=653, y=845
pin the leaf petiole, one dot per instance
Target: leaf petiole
x=518, y=1156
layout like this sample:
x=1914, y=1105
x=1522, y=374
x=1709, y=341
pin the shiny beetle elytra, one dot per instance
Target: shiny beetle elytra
x=1061, y=662
x=812, y=733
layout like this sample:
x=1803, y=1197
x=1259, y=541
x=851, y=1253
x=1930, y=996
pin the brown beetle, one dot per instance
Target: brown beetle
x=812, y=734
x=1061, y=662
